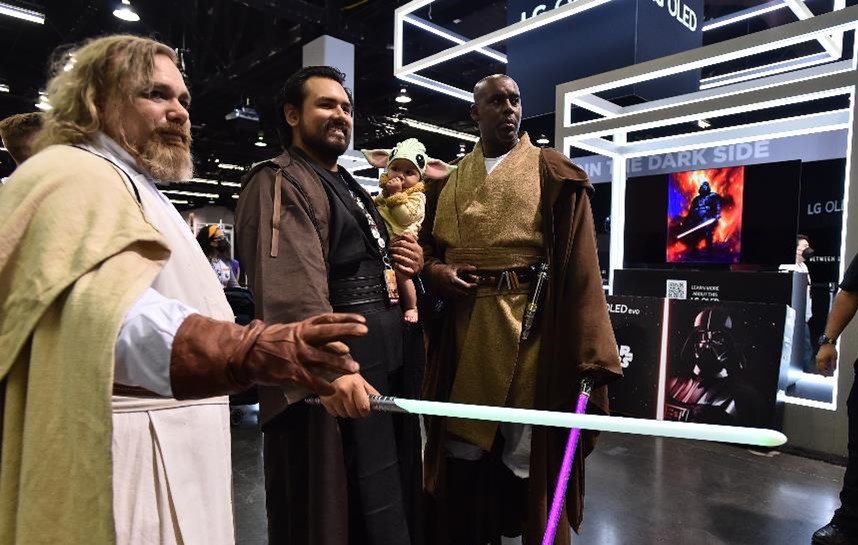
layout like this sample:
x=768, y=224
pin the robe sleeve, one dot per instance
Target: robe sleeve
x=411, y=211
x=293, y=285
x=432, y=254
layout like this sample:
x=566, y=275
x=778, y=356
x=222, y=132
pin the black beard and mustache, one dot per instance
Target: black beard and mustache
x=318, y=141
x=166, y=161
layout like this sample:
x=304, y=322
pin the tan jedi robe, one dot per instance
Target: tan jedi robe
x=77, y=251
x=494, y=223
x=573, y=323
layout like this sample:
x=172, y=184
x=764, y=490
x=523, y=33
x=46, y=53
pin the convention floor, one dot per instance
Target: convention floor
x=643, y=491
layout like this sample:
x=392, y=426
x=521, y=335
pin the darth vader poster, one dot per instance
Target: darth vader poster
x=723, y=362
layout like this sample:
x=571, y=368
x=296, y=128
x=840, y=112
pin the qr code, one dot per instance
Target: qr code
x=677, y=289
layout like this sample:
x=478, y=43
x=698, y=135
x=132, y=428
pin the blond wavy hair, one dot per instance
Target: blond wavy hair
x=90, y=83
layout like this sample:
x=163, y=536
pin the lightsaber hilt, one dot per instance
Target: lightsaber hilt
x=533, y=303
x=385, y=404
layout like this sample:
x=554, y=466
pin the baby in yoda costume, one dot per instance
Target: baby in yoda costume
x=402, y=202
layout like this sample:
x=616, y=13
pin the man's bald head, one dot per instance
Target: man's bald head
x=497, y=112
x=480, y=87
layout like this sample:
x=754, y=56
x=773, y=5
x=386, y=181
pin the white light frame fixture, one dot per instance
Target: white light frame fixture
x=22, y=13
x=833, y=79
x=831, y=43
x=4, y=88
x=479, y=45
x=735, y=17
x=444, y=131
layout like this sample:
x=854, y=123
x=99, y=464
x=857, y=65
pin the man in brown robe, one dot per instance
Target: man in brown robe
x=310, y=238
x=509, y=207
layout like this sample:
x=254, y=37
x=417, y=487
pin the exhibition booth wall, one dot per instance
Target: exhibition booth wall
x=773, y=175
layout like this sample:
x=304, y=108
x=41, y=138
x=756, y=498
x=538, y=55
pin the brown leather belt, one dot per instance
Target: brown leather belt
x=510, y=278
x=132, y=391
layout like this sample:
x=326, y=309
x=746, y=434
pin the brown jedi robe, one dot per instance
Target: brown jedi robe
x=577, y=339
x=280, y=299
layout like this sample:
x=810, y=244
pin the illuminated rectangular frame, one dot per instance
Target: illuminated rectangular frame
x=832, y=44
x=840, y=78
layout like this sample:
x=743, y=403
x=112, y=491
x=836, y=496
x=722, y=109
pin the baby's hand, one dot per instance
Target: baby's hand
x=393, y=186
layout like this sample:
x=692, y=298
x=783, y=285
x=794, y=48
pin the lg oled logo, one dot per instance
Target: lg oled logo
x=542, y=7
x=684, y=14
x=620, y=308
x=626, y=355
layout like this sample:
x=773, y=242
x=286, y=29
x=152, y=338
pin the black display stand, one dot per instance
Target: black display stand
x=786, y=288
x=699, y=361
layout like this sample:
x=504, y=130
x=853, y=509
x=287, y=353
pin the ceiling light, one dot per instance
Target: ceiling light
x=204, y=181
x=235, y=196
x=179, y=201
x=230, y=166
x=21, y=13
x=4, y=88
x=43, y=103
x=703, y=123
x=260, y=141
x=403, y=97
x=461, y=151
x=428, y=127
x=542, y=140
x=230, y=184
x=126, y=12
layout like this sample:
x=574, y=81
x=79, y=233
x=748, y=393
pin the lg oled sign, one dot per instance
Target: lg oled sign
x=682, y=12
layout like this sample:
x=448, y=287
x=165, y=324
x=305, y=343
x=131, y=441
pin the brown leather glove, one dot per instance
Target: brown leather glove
x=213, y=357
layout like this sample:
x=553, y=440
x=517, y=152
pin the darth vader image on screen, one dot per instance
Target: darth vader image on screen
x=709, y=382
x=704, y=215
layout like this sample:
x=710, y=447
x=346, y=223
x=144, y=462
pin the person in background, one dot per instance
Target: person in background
x=843, y=528
x=803, y=252
x=214, y=244
x=17, y=132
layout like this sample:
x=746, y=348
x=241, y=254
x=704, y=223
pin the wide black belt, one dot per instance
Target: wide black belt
x=357, y=290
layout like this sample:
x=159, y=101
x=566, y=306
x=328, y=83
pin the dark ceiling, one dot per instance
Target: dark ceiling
x=240, y=51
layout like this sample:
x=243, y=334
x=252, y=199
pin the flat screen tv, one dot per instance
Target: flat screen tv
x=755, y=217
x=704, y=215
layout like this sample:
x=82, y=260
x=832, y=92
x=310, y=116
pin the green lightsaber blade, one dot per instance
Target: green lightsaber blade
x=657, y=428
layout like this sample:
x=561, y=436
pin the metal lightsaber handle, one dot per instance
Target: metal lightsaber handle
x=376, y=403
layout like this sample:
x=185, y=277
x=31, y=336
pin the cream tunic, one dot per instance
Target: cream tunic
x=172, y=473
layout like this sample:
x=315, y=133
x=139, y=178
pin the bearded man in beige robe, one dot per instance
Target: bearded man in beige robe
x=116, y=338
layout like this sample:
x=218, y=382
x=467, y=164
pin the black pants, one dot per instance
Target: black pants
x=847, y=515
x=380, y=454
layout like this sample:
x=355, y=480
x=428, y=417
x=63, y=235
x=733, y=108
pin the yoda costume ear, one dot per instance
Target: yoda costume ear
x=437, y=169
x=377, y=157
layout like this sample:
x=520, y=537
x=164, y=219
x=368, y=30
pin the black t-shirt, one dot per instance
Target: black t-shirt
x=850, y=279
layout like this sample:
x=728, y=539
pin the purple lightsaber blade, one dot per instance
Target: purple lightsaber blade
x=565, y=469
